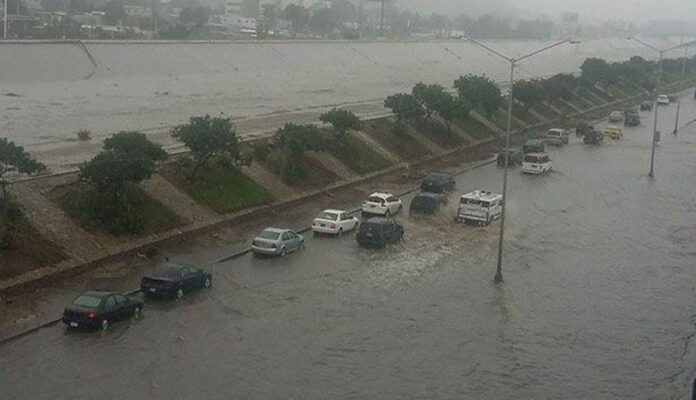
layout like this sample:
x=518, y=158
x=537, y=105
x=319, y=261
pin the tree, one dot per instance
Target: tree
x=448, y=108
x=134, y=142
x=206, y=137
x=428, y=96
x=13, y=158
x=295, y=140
x=297, y=15
x=195, y=15
x=341, y=120
x=596, y=70
x=559, y=86
x=405, y=106
x=480, y=92
x=270, y=18
x=114, y=12
x=324, y=21
x=529, y=92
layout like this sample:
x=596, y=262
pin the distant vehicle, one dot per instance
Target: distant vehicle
x=96, y=310
x=427, y=203
x=662, y=99
x=593, y=136
x=533, y=146
x=277, y=242
x=334, y=222
x=616, y=116
x=556, y=136
x=174, y=280
x=613, y=132
x=514, y=157
x=672, y=98
x=582, y=128
x=480, y=207
x=646, y=106
x=378, y=232
x=536, y=163
x=385, y=204
x=632, y=118
x=438, y=182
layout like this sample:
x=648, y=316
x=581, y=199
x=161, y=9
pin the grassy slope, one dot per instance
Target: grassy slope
x=474, y=128
x=222, y=188
x=355, y=153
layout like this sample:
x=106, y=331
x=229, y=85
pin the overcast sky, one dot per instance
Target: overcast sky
x=640, y=10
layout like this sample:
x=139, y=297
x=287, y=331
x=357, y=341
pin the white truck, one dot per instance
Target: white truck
x=480, y=207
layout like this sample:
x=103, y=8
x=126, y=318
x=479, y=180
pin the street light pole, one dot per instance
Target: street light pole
x=4, y=22
x=513, y=62
x=661, y=52
x=683, y=75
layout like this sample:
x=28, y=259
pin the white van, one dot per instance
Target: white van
x=663, y=99
x=536, y=163
x=556, y=136
x=480, y=207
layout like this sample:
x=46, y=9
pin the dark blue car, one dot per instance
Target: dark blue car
x=174, y=280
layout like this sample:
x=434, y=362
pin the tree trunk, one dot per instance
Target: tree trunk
x=198, y=165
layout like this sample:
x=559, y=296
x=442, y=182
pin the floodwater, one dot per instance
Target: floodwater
x=50, y=91
x=597, y=303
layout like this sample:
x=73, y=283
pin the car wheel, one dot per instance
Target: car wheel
x=400, y=210
x=340, y=232
x=283, y=252
x=180, y=293
x=137, y=312
x=302, y=246
x=207, y=283
x=387, y=214
x=104, y=324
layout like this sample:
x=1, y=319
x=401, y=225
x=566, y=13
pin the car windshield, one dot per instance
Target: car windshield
x=328, y=216
x=87, y=301
x=375, y=199
x=423, y=201
x=269, y=235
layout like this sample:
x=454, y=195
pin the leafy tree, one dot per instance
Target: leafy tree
x=559, y=86
x=13, y=158
x=405, y=106
x=270, y=18
x=596, y=70
x=428, y=96
x=479, y=91
x=448, y=108
x=324, y=21
x=207, y=136
x=529, y=92
x=195, y=15
x=114, y=12
x=297, y=15
x=134, y=142
x=341, y=120
x=295, y=140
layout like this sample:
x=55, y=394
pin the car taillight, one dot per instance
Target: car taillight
x=91, y=315
x=332, y=226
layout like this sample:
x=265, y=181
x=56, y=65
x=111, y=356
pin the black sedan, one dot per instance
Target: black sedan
x=175, y=280
x=96, y=310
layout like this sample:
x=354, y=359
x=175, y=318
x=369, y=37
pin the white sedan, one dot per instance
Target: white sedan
x=334, y=222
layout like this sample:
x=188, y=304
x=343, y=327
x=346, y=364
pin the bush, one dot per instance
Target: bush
x=261, y=151
x=84, y=135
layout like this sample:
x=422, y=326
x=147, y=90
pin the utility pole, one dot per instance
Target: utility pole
x=4, y=22
x=381, y=21
x=683, y=75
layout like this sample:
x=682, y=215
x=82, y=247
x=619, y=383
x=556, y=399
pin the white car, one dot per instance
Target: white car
x=385, y=204
x=663, y=99
x=536, y=163
x=334, y=222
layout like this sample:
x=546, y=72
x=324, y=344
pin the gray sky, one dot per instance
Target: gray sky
x=640, y=10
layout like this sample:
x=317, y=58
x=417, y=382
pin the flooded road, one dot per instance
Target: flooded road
x=597, y=303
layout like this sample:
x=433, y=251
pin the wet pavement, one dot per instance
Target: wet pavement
x=597, y=302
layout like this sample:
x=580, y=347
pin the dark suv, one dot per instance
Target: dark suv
x=378, y=232
x=438, y=182
x=427, y=203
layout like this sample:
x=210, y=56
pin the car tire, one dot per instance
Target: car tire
x=137, y=312
x=207, y=282
x=104, y=325
x=302, y=245
x=179, y=293
x=340, y=232
x=387, y=214
x=283, y=252
x=400, y=210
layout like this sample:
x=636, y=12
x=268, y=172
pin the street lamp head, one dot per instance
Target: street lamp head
x=575, y=41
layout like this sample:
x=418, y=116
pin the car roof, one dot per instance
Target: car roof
x=556, y=130
x=537, y=154
x=481, y=195
x=96, y=293
x=430, y=195
x=533, y=141
x=438, y=174
x=378, y=220
x=380, y=194
x=331, y=210
x=276, y=230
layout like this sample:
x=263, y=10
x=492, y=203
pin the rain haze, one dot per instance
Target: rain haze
x=331, y=199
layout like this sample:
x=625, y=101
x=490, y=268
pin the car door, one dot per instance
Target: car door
x=124, y=306
x=190, y=278
x=392, y=204
x=196, y=277
x=289, y=241
x=111, y=309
